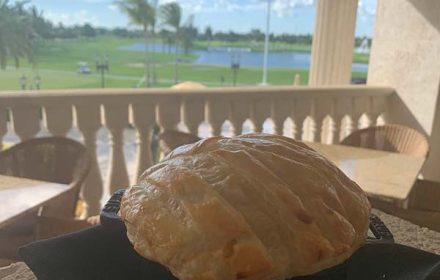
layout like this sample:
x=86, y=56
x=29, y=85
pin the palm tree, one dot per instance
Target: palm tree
x=17, y=34
x=171, y=15
x=140, y=13
x=42, y=26
x=208, y=34
x=154, y=5
x=188, y=34
x=167, y=40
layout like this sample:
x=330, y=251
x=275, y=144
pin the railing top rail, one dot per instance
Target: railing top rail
x=350, y=89
x=42, y=97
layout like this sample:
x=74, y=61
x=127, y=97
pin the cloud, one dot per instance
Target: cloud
x=280, y=7
x=95, y=1
x=285, y=8
x=193, y=6
x=112, y=7
x=75, y=18
x=366, y=10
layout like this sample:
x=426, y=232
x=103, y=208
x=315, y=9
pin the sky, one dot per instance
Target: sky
x=288, y=16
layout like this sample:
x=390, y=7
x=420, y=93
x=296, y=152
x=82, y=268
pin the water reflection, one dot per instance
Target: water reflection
x=222, y=56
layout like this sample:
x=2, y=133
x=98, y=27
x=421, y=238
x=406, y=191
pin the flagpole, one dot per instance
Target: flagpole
x=266, y=44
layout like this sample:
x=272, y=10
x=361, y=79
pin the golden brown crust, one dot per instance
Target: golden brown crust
x=254, y=206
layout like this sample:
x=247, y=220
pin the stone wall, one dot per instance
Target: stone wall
x=406, y=56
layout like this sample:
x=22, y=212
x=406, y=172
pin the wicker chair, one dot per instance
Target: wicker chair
x=52, y=159
x=391, y=138
x=171, y=139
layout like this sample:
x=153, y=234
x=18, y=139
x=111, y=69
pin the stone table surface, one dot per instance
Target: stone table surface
x=379, y=173
x=19, y=196
x=404, y=233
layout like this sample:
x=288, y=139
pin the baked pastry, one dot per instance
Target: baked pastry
x=254, y=206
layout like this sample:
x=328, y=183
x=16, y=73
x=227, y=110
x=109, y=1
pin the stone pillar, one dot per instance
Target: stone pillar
x=405, y=55
x=333, y=42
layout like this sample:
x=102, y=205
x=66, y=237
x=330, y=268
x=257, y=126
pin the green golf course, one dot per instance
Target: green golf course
x=58, y=62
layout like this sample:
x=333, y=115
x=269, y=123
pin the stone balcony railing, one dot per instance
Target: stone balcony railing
x=310, y=113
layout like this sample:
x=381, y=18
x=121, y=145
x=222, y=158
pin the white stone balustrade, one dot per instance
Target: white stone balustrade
x=326, y=110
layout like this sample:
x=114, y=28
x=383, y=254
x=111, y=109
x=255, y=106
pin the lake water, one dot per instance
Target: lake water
x=247, y=58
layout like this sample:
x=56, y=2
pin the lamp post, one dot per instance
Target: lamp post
x=23, y=82
x=37, y=81
x=266, y=43
x=102, y=65
x=176, y=70
x=235, y=66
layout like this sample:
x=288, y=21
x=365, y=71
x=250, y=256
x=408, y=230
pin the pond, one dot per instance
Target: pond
x=247, y=58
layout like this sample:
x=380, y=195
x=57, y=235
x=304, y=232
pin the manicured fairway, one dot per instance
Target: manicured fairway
x=58, y=64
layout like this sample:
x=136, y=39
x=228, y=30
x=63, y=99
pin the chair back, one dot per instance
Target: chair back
x=171, y=139
x=53, y=159
x=391, y=138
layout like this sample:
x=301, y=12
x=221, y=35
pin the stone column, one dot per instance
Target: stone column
x=333, y=42
x=405, y=55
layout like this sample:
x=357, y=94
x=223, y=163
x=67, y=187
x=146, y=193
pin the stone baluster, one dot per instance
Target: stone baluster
x=321, y=108
x=260, y=111
x=193, y=113
x=280, y=110
x=378, y=108
x=88, y=121
x=239, y=112
x=302, y=109
x=350, y=123
x=3, y=126
x=26, y=121
x=360, y=106
x=116, y=120
x=168, y=113
x=340, y=107
x=58, y=119
x=366, y=116
x=217, y=111
x=143, y=117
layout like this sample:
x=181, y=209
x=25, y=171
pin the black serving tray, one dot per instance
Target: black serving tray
x=104, y=252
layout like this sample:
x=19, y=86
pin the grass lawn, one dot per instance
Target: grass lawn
x=58, y=63
x=361, y=57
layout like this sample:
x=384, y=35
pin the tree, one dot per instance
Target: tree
x=257, y=35
x=120, y=32
x=188, y=34
x=101, y=31
x=167, y=39
x=88, y=31
x=43, y=27
x=171, y=15
x=17, y=35
x=154, y=5
x=208, y=33
x=140, y=13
